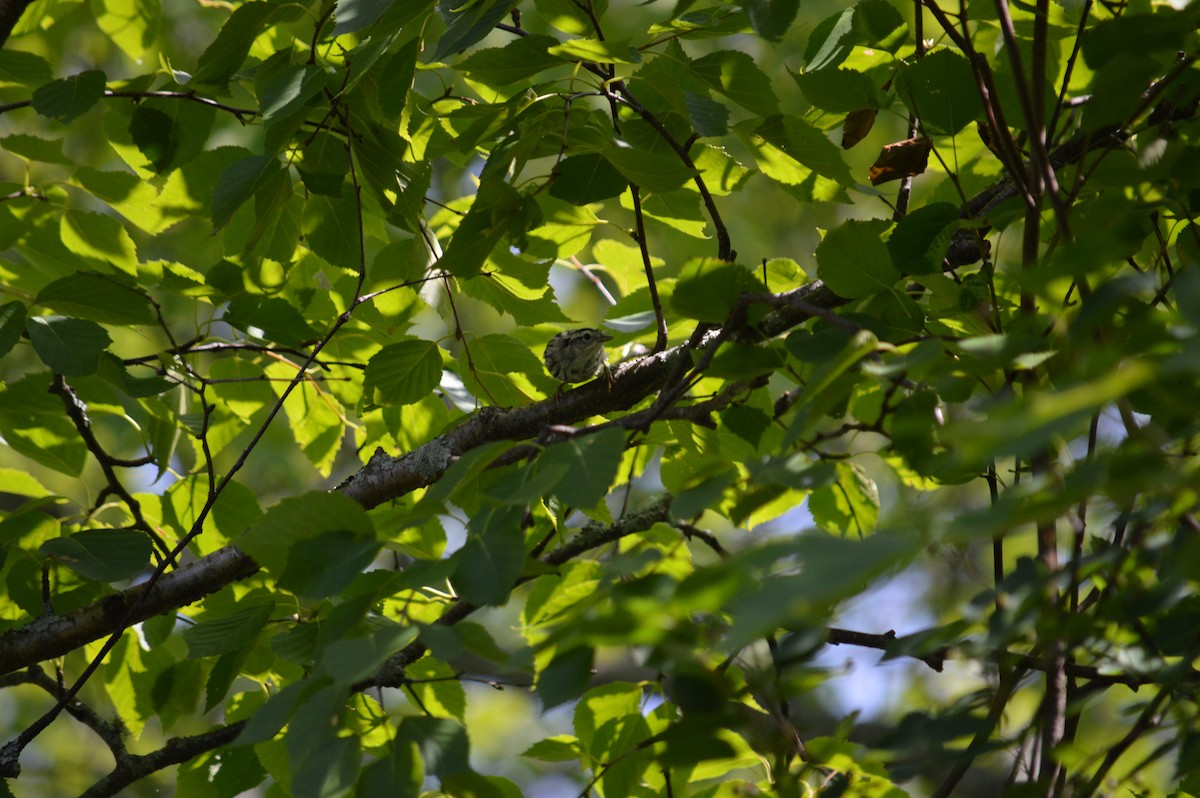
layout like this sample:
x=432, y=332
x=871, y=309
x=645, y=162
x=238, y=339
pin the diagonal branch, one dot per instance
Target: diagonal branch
x=58, y=635
x=132, y=768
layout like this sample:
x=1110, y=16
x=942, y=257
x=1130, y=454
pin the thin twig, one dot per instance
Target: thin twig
x=660, y=341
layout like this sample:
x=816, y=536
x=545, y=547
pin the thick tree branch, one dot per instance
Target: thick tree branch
x=57, y=635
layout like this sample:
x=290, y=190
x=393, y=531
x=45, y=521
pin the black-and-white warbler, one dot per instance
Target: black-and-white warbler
x=577, y=355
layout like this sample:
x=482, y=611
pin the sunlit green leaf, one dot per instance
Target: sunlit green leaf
x=94, y=296
x=220, y=633
x=403, y=372
x=12, y=324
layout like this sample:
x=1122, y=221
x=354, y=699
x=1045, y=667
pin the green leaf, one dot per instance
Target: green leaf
x=589, y=465
x=100, y=238
x=132, y=24
x=277, y=220
x=325, y=564
x=736, y=361
x=353, y=659
x=106, y=555
x=848, y=507
x=94, y=296
x=700, y=491
x=830, y=41
x=596, y=51
x=1163, y=31
x=239, y=182
x=324, y=165
x=27, y=69
x=694, y=741
x=324, y=763
x=1116, y=88
x=771, y=18
x=330, y=227
x=12, y=324
x=305, y=517
x=564, y=679
x=560, y=748
x=354, y=15
x=649, y=169
x=289, y=91
x=170, y=132
x=234, y=628
x=826, y=375
x=940, y=89
x=32, y=423
x=581, y=179
x=709, y=117
x=505, y=293
x=35, y=149
x=1043, y=417
x=613, y=742
x=567, y=16
x=443, y=743
x=175, y=693
x=679, y=210
x=398, y=773
x=469, y=21
x=708, y=289
x=225, y=55
x=846, y=567
x=437, y=687
x=491, y=560
x=918, y=244
x=853, y=260
x=402, y=373
x=67, y=98
x=519, y=60
x=786, y=149
x=602, y=706
x=494, y=358
x=269, y=317
x=496, y=204
x=733, y=74
x=873, y=23
x=70, y=347
x=839, y=90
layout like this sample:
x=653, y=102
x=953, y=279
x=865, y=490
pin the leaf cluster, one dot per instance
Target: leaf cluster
x=284, y=480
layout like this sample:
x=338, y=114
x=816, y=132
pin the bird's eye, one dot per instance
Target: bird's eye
x=587, y=336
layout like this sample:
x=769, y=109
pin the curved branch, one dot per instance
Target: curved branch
x=177, y=751
x=77, y=411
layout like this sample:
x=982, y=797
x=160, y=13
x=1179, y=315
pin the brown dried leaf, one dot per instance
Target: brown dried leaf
x=902, y=159
x=857, y=125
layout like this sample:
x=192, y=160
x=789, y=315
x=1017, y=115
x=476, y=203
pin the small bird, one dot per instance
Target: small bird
x=577, y=355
